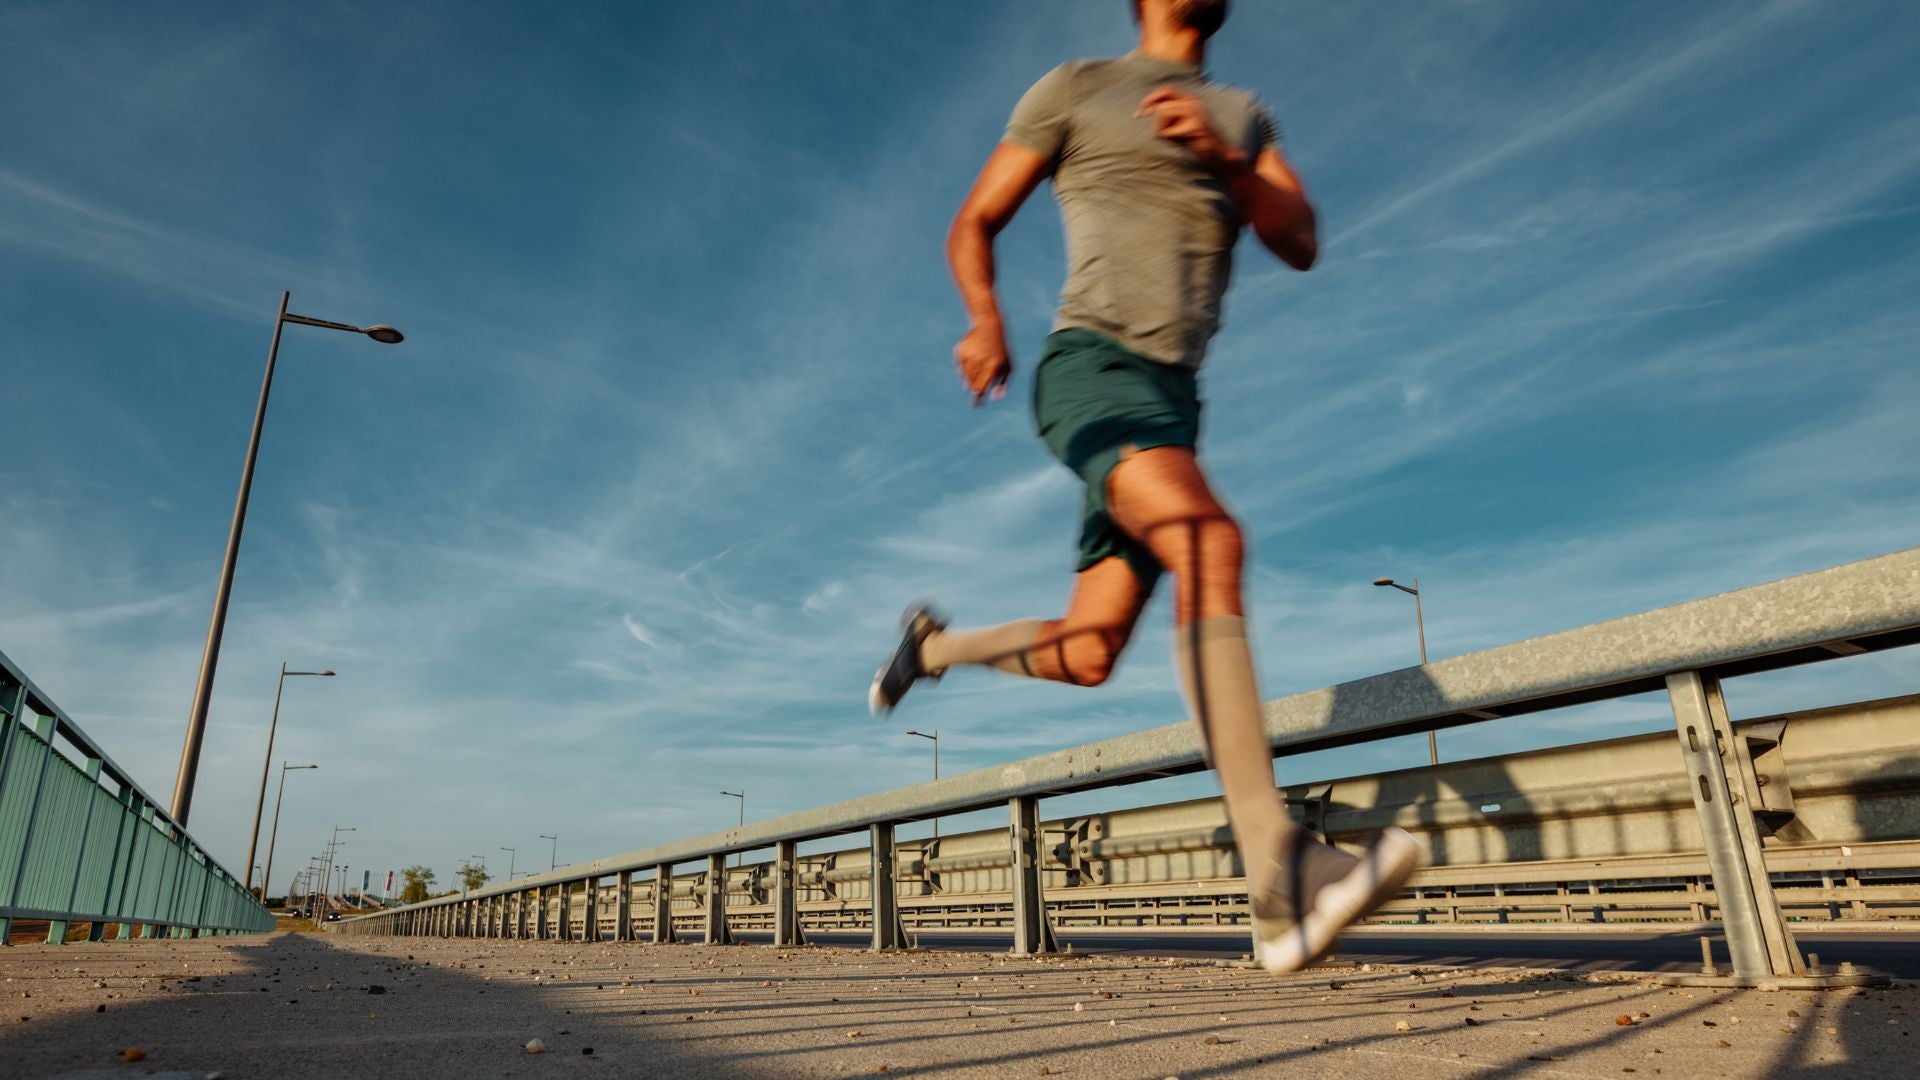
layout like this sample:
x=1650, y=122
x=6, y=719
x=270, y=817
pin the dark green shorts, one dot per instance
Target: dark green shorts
x=1092, y=399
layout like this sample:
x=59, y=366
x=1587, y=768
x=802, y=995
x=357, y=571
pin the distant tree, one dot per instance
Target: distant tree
x=472, y=876
x=419, y=884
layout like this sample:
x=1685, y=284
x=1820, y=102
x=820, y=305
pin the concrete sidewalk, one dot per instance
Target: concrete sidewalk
x=294, y=1005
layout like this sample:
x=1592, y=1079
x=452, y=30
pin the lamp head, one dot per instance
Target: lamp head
x=1383, y=581
x=385, y=335
x=328, y=674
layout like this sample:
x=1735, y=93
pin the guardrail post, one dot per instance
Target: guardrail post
x=662, y=905
x=1720, y=781
x=786, y=911
x=43, y=727
x=109, y=906
x=57, y=928
x=887, y=931
x=717, y=901
x=16, y=700
x=623, y=908
x=1031, y=931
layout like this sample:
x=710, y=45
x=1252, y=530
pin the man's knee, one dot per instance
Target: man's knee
x=1207, y=565
x=1084, y=655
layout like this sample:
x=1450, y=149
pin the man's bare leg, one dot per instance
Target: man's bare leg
x=1080, y=647
x=1301, y=892
x=1161, y=498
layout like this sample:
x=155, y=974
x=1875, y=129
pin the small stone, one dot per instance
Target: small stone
x=99, y=1008
x=1722, y=1043
x=535, y=1046
x=133, y=1053
x=1623, y=1020
x=588, y=1050
x=1795, y=1013
x=853, y=1034
x=1077, y=1007
x=1402, y=1025
x=376, y=989
x=1214, y=1040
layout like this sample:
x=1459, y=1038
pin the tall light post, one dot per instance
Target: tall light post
x=553, y=854
x=259, y=804
x=327, y=867
x=511, y=855
x=742, y=796
x=1420, y=625
x=210, y=653
x=936, y=766
x=273, y=834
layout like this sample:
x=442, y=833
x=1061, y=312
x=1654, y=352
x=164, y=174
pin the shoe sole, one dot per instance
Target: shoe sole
x=877, y=704
x=1374, y=880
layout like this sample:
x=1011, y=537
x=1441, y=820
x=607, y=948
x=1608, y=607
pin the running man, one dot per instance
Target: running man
x=1156, y=170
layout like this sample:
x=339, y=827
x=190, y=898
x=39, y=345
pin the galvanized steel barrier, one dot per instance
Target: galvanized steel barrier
x=1728, y=776
x=81, y=842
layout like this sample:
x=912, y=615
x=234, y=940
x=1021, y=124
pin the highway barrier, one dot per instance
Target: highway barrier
x=80, y=842
x=1761, y=806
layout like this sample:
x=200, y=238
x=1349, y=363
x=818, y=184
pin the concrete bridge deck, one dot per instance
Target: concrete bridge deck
x=296, y=1005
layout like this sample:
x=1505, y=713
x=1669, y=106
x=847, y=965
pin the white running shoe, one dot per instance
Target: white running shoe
x=1323, y=890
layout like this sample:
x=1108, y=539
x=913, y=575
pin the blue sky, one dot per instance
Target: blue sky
x=1615, y=310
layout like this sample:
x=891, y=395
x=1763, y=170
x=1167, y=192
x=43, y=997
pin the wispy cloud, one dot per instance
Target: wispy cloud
x=1612, y=315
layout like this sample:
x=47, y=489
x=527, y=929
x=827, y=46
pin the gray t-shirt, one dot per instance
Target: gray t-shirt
x=1150, y=233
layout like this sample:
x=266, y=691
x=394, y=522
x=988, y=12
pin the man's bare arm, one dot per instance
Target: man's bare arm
x=1275, y=204
x=1269, y=194
x=1006, y=180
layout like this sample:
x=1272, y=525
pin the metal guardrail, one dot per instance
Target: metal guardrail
x=1685, y=649
x=81, y=842
x=1596, y=832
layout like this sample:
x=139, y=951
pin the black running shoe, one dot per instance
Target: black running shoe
x=892, y=681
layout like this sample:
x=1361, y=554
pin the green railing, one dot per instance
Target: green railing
x=80, y=842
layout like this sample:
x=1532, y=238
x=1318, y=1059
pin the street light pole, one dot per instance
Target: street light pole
x=555, y=853
x=333, y=848
x=511, y=855
x=253, y=838
x=273, y=834
x=742, y=796
x=936, y=766
x=1420, y=626
x=216, y=627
